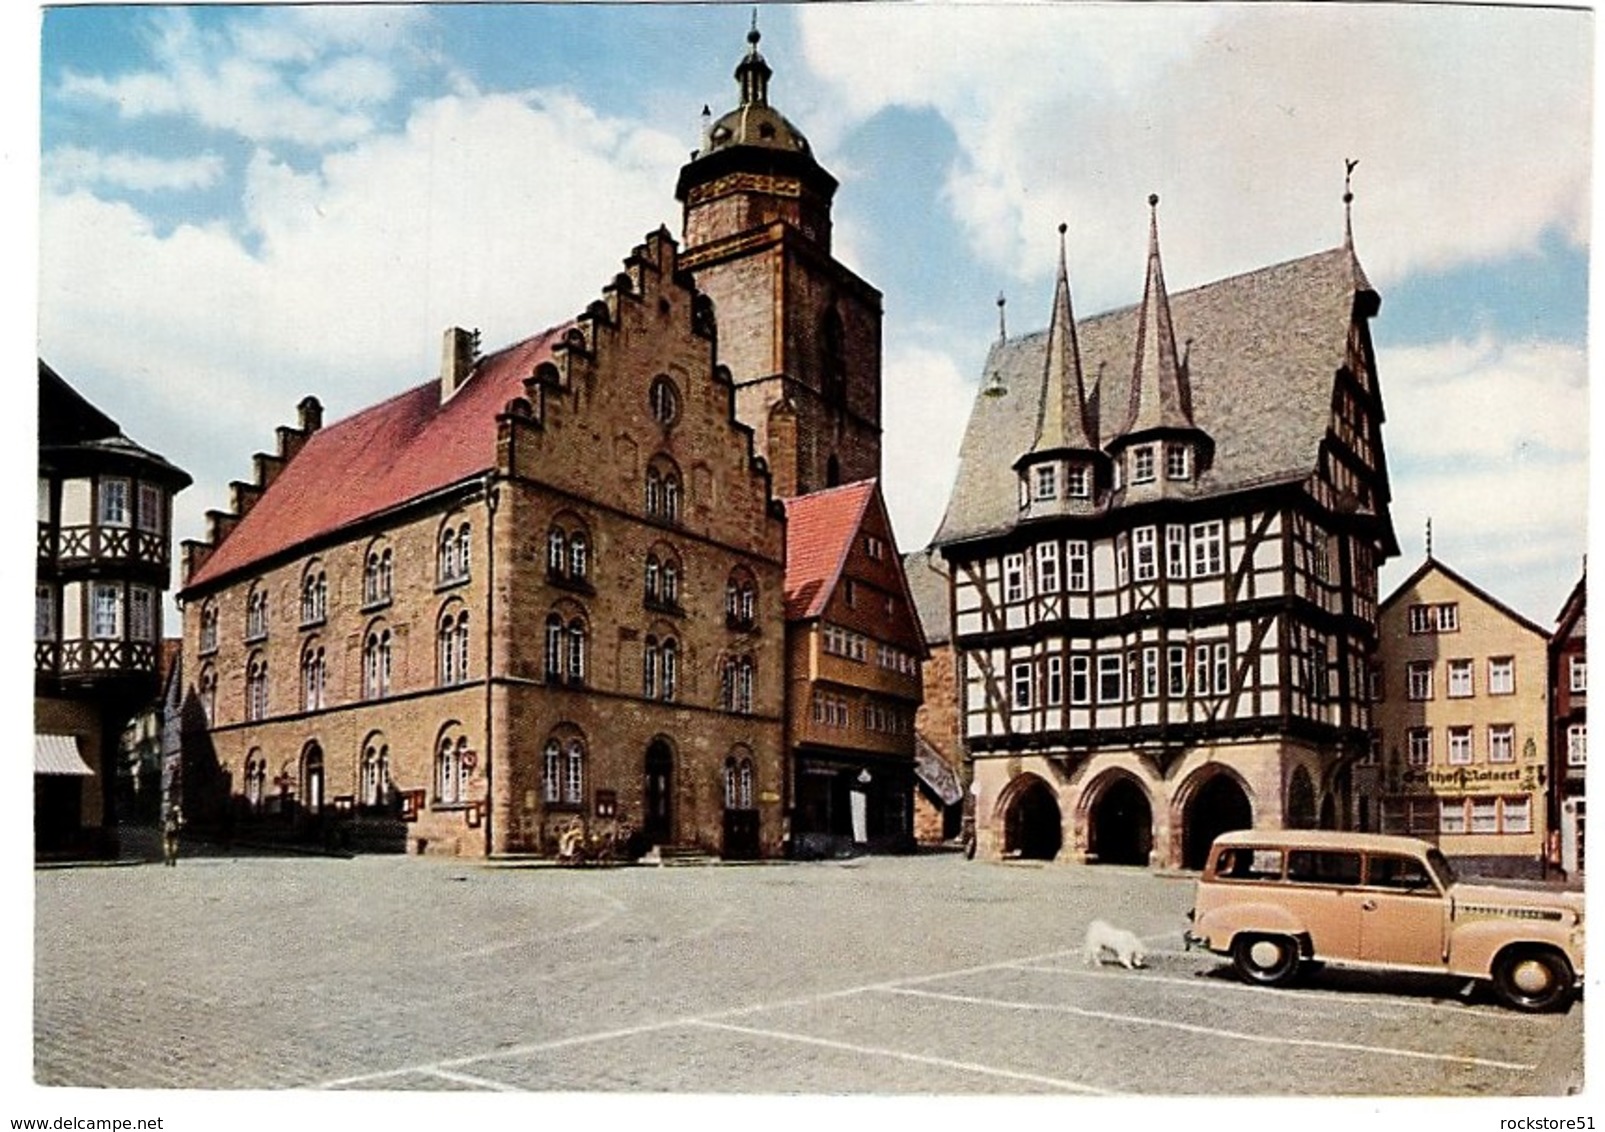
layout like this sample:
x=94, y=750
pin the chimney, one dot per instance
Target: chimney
x=458, y=352
x=311, y=414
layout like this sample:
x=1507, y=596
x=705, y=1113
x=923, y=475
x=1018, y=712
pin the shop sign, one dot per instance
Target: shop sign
x=1470, y=780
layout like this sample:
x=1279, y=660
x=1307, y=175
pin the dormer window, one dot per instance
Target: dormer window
x=1046, y=482
x=1078, y=481
x=1142, y=464
x=1178, y=462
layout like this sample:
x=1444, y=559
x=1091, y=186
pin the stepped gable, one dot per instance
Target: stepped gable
x=382, y=457
x=1262, y=352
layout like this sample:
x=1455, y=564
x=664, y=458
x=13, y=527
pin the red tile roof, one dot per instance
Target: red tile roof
x=819, y=533
x=382, y=457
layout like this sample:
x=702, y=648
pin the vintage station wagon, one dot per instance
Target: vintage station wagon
x=1277, y=900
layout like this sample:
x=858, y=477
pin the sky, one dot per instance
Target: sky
x=241, y=205
x=238, y=206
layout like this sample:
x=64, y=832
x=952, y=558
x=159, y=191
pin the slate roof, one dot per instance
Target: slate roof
x=927, y=575
x=380, y=458
x=819, y=533
x=1262, y=350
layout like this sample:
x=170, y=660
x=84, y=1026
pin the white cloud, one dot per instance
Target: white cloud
x=1471, y=125
x=352, y=79
x=69, y=167
x=925, y=408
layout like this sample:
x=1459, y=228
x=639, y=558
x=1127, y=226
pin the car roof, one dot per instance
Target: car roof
x=1323, y=839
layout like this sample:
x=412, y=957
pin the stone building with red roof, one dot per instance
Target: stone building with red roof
x=853, y=687
x=544, y=589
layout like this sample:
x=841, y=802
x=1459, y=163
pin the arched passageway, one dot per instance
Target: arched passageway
x=1217, y=807
x=1121, y=829
x=1032, y=826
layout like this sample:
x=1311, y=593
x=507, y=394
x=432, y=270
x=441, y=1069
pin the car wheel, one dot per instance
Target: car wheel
x=1532, y=979
x=1265, y=960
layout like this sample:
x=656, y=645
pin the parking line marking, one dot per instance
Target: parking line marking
x=476, y=1082
x=901, y=1055
x=1236, y=1035
x=1282, y=992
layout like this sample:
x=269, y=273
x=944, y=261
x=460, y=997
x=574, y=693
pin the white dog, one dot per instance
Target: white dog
x=1102, y=937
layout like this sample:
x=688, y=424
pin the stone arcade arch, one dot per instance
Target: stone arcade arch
x=1214, y=805
x=1119, y=821
x=1032, y=826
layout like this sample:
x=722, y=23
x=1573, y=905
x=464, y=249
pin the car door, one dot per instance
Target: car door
x=1403, y=914
x=1323, y=890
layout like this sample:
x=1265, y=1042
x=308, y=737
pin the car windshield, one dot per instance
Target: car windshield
x=1441, y=868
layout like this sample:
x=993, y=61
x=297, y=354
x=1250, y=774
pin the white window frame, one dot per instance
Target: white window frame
x=1077, y=575
x=1047, y=567
x=1021, y=681
x=1178, y=461
x=1501, y=676
x=106, y=611
x=1501, y=743
x=1461, y=751
x=1209, y=548
x=141, y=613
x=1577, y=744
x=1080, y=679
x=1516, y=814
x=1577, y=674
x=1078, y=481
x=1111, y=667
x=149, y=514
x=1452, y=815
x=115, y=508
x=1054, y=678
x=44, y=613
x=1223, y=668
x=1013, y=577
x=1484, y=814
x=1176, y=670
x=1045, y=482
x=1142, y=464
x=1418, y=746
x=1175, y=551
x=1462, y=678
x=1418, y=677
x=1145, y=553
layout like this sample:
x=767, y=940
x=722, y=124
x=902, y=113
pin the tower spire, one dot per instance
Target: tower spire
x=1063, y=423
x=752, y=72
x=1348, y=201
x=1003, y=327
x=1160, y=396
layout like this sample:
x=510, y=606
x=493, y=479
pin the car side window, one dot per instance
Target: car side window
x=1404, y=874
x=1249, y=864
x=1323, y=866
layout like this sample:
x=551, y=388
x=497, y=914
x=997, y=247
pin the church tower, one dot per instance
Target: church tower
x=799, y=332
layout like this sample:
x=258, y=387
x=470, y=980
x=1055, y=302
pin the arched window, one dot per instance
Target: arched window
x=736, y=677
x=576, y=651
x=738, y=783
x=312, y=778
x=376, y=663
x=568, y=550
x=462, y=646
x=378, y=574
x=256, y=676
x=208, y=688
x=665, y=401
x=669, y=661
x=255, y=779
x=663, y=490
x=554, y=648
x=654, y=492
x=451, y=646
x=375, y=771
x=577, y=561
x=556, y=551
x=256, y=613
x=451, y=770
x=209, y=627
x=671, y=497
x=654, y=591
x=649, y=669
x=314, y=676
x=740, y=599
x=462, y=551
x=454, y=553
x=563, y=769
x=314, y=595
x=671, y=584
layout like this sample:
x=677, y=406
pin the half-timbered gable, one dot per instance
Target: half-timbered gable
x=1207, y=608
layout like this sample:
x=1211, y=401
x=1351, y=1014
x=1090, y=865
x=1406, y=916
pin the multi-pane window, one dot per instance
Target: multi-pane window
x=209, y=627
x=1516, y=815
x=1443, y=617
x=1109, y=679
x=1080, y=678
x=1501, y=743
x=1223, y=668
x=1020, y=684
x=1075, y=566
x=552, y=772
x=554, y=648
x=1178, y=465
x=1145, y=546
x=1452, y=815
x=576, y=651
x=314, y=674
x=665, y=401
x=1202, y=682
x=737, y=784
x=1418, y=679
x=1459, y=746
x=1045, y=482
x=556, y=552
x=1577, y=745
x=1501, y=675
x=141, y=613
x=1460, y=679
x=1418, y=749
x=1054, y=693
x=377, y=576
x=1578, y=673
x=150, y=508
x=454, y=553
x=1175, y=551
x=451, y=772
x=1122, y=559
x=670, y=660
x=1484, y=815
x=375, y=783
x=256, y=614
x=1078, y=481
x=114, y=503
x=663, y=493
x=256, y=688
x=106, y=611
x=578, y=556
x=44, y=613
x=1176, y=670
x=740, y=600
x=1209, y=556
x=1150, y=673
x=1013, y=577
x=451, y=644
x=1048, y=568
x=736, y=684
x=376, y=663
x=314, y=597
x=1142, y=463
x=209, y=694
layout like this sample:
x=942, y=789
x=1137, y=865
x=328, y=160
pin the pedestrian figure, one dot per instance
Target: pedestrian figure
x=170, y=827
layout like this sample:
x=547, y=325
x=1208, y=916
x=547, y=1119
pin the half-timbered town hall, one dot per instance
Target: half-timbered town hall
x=1164, y=538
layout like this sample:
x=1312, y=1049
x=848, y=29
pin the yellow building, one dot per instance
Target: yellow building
x=1462, y=723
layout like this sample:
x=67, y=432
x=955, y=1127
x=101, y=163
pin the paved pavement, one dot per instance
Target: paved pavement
x=899, y=976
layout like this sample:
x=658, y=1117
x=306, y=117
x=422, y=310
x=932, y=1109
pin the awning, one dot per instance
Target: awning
x=58, y=754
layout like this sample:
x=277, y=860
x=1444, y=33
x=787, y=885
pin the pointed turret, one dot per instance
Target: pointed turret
x=1062, y=423
x=1160, y=408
